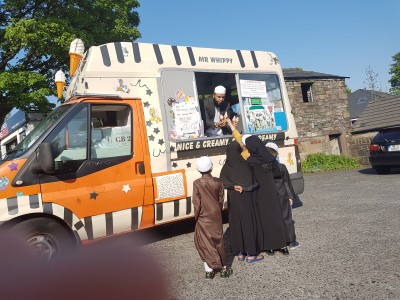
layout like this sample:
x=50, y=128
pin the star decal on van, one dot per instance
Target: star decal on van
x=93, y=195
x=149, y=123
x=13, y=166
x=174, y=165
x=126, y=188
x=188, y=165
x=161, y=142
x=156, y=130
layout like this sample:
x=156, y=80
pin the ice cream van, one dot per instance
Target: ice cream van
x=119, y=153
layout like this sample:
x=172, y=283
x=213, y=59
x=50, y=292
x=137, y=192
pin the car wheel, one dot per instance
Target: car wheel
x=46, y=237
x=382, y=170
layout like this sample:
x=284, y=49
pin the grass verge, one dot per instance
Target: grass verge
x=320, y=162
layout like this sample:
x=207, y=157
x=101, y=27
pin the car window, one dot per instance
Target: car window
x=391, y=135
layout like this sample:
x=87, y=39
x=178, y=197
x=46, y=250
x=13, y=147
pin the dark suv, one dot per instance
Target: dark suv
x=384, y=150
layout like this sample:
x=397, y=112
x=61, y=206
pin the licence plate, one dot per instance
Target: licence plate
x=393, y=148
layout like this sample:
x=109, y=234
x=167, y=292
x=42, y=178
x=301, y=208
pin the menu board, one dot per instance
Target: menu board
x=187, y=119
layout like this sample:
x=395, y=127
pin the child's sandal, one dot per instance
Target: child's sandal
x=210, y=275
x=224, y=274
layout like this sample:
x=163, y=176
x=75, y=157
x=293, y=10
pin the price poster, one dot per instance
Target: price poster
x=253, y=88
x=187, y=119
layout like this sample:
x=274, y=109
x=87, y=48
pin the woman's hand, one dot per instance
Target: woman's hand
x=238, y=188
x=235, y=121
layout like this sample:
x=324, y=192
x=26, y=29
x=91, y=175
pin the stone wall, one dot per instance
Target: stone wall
x=324, y=124
x=359, y=146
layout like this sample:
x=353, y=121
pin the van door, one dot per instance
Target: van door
x=99, y=161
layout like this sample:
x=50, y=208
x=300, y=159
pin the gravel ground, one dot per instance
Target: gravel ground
x=348, y=230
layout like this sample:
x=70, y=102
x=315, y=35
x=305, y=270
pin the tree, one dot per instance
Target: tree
x=395, y=71
x=348, y=90
x=34, y=41
x=371, y=81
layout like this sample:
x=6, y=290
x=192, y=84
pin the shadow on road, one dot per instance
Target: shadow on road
x=371, y=171
x=161, y=232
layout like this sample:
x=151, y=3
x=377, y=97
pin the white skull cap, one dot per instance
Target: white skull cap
x=204, y=164
x=272, y=146
x=244, y=137
x=219, y=90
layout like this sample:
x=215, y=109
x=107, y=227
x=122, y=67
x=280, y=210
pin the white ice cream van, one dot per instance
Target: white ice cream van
x=119, y=153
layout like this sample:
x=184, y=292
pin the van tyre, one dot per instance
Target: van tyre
x=48, y=238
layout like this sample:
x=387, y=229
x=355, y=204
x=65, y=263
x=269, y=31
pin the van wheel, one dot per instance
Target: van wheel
x=382, y=170
x=46, y=237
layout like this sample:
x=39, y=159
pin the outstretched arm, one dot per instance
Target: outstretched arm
x=238, y=137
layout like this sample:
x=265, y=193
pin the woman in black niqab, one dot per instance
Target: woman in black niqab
x=242, y=211
x=274, y=234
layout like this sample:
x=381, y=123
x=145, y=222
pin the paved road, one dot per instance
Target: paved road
x=349, y=233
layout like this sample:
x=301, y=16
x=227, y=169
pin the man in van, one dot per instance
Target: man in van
x=216, y=111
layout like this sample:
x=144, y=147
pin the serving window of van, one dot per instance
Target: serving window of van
x=262, y=103
x=184, y=93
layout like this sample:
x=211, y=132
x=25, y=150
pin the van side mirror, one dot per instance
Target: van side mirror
x=45, y=158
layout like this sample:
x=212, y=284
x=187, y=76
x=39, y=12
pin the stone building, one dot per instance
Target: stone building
x=320, y=108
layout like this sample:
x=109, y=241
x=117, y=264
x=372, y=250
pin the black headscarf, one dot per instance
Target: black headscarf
x=236, y=171
x=259, y=154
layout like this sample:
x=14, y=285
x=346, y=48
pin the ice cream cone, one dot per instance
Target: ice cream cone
x=60, y=87
x=74, y=59
x=76, y=50
x=60, y=82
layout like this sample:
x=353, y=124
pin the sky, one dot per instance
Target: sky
x=338, y=37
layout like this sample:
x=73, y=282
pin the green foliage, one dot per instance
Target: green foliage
x=25, y=90
x=35, y=38
x=395, y=79
x=325, y=162
x=348, y=90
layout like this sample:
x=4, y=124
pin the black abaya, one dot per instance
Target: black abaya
x=274, y=235
x=285, y=191
x=242, y=211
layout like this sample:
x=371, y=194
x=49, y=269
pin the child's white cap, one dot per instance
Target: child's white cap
x=204, y=164
x=272, y=146
x=244, y=137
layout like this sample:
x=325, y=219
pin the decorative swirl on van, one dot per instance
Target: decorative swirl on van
x=138, y=83
x=223, y=162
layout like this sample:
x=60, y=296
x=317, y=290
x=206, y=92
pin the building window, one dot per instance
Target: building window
x=307, y=92
x=361, y=100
